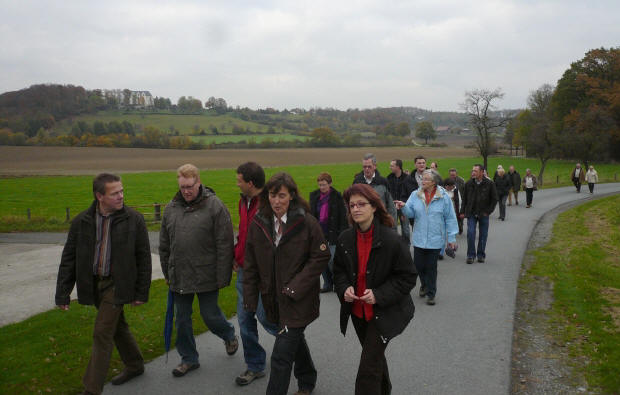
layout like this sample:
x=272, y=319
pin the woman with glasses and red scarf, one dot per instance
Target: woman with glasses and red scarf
x=373, y=277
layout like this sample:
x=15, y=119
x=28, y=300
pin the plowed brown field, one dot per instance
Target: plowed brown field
x=22, y=161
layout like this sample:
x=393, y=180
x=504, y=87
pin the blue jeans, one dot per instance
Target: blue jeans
x=212, y=316
x=483, y=223
x=253, y=353
x=328, y=273
x=425, y=261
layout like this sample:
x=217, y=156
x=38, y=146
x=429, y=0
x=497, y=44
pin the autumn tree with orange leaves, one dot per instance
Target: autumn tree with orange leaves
x=586, y=107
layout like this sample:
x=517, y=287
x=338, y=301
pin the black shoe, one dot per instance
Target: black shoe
x=470, y=261
x=430, y=301
x=481, y=259
x=440, y=257
x=516, y=203
x=125, y=376
x=422, y=292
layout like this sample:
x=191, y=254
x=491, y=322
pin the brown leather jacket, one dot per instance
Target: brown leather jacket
x=287, y=275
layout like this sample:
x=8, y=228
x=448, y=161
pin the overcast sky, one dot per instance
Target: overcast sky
x=287, y=54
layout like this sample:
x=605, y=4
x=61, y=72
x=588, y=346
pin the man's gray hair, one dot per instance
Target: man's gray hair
x=371, y=156
x=436, y=176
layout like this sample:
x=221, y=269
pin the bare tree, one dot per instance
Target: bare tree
x=541, y=139
x=478, y=106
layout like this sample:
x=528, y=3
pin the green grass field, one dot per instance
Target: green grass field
x=185, y=124
x=47, y=353
x=48, y=197
x=235, y=138
x=582, y=262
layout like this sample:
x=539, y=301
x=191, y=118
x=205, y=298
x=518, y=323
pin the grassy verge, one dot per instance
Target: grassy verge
x=48, y=197
x=48, y=353
x=581, y=261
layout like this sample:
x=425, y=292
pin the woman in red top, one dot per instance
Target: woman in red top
x=373, y=277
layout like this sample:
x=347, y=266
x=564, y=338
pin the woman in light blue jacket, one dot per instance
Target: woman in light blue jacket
x=434, y=220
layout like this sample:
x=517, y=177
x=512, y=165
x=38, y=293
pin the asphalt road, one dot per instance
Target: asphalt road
x=462, y=345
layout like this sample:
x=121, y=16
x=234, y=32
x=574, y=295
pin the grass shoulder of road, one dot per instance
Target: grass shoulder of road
x=48, y=352
x=581, y=262
x=48, y=197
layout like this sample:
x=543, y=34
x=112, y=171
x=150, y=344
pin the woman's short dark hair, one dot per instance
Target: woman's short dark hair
x=324, y=177
x=275, y=183
x=373, y=198
x=252, y=171
x=100, y=181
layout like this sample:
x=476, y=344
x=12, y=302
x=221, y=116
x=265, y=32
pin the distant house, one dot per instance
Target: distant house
x=136, y=99
x=442, y=130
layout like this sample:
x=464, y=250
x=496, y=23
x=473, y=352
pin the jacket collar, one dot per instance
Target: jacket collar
x=203, y=194
x=438, y=193
x=295, y=217
x=92, y=211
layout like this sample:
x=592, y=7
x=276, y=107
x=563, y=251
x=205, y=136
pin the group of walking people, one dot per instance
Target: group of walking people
x=283, y=247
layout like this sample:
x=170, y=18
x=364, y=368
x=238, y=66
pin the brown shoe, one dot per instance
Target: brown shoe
x=303, y=392
x=184, y=368
x=125, y=376
x=231, y=345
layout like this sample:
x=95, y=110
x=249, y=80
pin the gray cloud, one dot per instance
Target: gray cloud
x=303, y=54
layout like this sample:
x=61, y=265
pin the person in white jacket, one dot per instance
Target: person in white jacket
x=591, y=178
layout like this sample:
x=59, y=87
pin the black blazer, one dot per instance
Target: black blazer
x=390, y=274
x=337, y=220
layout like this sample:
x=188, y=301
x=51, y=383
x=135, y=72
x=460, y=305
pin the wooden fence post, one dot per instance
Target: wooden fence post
x=28, y=213
x=557, y=179
x=68, y=214
x=157, y=211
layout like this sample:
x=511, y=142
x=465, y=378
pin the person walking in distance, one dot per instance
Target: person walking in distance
x=591, y=178
x=578, y=177
x=107, y=256
x=530, y=184
x=327, y=206
x=371, y=176
x=285, y=255
x=374, y=277
x=502, y=184
x=515, y=185
x=396, y=184
x=196, y=245
x=479, y=201
x=250, y=180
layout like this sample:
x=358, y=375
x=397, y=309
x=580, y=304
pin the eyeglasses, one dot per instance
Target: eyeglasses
x=360, y=205
x=187, y=187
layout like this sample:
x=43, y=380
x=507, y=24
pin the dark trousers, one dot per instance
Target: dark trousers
x=373, y=376
x=577, y=183
x=591, y=187
x=291, y=347
x=110, y=329
x=502, y=205
x=425, y=261
x=529, y=195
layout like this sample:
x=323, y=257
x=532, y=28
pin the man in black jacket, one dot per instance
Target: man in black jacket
x=107, y=255
x=478, y=203
x=398, y=189
x=370, y=175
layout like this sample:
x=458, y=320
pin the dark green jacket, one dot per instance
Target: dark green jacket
x=130, y=261
x=196, y=244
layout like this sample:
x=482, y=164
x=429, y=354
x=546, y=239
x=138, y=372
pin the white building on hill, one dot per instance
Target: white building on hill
x=139, y=99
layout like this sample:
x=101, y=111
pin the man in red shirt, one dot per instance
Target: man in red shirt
x=250, y=180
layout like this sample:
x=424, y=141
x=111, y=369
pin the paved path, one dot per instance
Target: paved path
x=462, y=345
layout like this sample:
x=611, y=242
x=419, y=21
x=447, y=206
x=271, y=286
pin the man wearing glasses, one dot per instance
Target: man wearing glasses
x=196, y=252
